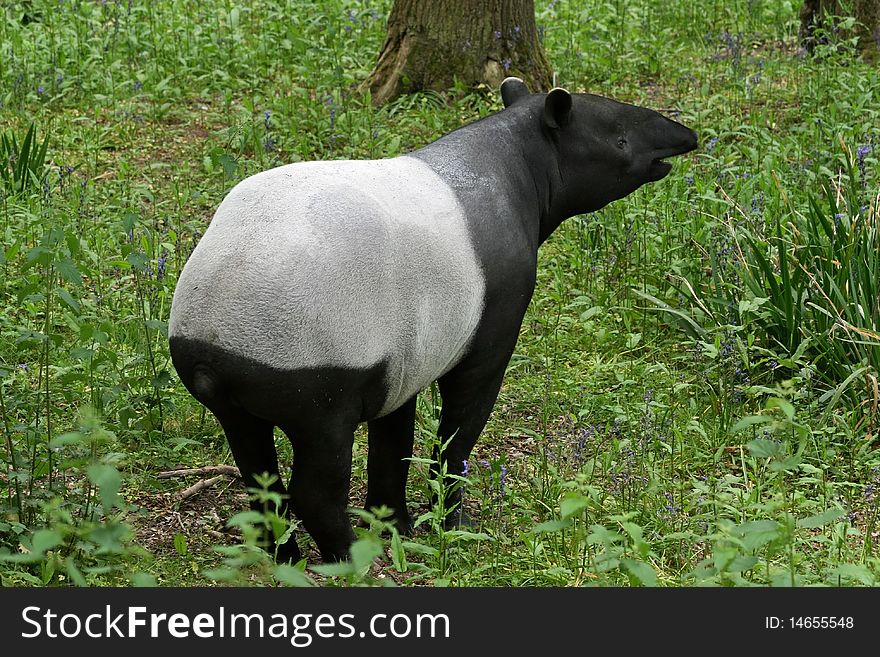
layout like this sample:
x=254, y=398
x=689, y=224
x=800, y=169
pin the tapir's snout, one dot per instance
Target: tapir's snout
x=667, y=138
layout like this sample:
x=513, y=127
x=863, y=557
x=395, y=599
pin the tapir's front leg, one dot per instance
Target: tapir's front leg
x=391, y=446
x=469, y=392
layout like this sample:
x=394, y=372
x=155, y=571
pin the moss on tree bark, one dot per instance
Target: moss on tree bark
x=817, y=17
x=431, y=44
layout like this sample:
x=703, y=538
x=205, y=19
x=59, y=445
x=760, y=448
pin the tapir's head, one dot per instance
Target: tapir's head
x=604, y=149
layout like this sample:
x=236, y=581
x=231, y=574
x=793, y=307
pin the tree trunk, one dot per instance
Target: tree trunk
x=816, y=18
x=432, y=43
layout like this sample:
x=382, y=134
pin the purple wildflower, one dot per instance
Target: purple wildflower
x=160, y=266
x=861, y=153
x=670, y=507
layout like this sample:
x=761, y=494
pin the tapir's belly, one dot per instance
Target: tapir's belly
x=337, y=264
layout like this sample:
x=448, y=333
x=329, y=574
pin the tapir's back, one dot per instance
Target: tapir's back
x=337, y=264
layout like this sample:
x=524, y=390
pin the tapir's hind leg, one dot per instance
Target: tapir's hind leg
x=391, y=446
x=253, y=447
x=320, y=481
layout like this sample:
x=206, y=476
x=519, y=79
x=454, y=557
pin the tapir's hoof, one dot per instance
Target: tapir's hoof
x=404, y=525
x=288, y=552
x=402, y=521
x=460, y=520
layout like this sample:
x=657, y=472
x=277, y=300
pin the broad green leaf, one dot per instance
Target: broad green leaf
x=741, y=563
x=108, y=480
x=292, y=576
x=757, y=533
x=783, y=405
x=68, y=299
x=642, y=572
x=69, y=272
x=821, y=519
x=573, y=504
x=749, y=421
x=765, y=449
x=45, y=539
x=398, y=553
x=363, y=551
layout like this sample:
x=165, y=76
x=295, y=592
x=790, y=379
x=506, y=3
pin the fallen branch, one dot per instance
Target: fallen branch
x=230, y=470
x=199, y=486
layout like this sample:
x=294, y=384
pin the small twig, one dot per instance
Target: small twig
x=230, y=470
x=199, y=486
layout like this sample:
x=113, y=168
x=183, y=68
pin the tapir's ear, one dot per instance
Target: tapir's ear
x=512, y=89
x=557, y=108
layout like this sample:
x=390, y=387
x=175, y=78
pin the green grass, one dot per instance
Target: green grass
x=693, y=399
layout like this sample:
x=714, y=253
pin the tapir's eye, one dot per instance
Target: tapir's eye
x=621, y=142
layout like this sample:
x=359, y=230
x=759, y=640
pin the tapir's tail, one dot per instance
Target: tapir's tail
x=205, y=385
x=198, y=376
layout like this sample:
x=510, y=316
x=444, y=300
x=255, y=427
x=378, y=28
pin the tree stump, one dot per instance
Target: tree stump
x=431, y=44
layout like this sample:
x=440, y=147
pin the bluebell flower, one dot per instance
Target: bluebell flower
x=758, y=203
x=670, y=507
x=861, y=153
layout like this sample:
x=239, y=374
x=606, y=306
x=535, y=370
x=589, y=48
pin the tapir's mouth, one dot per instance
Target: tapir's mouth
x=676, y=140
x=658, y=169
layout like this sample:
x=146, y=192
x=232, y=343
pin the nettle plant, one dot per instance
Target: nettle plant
x=62, y=510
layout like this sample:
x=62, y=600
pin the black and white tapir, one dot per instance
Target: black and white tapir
x=326, y=294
